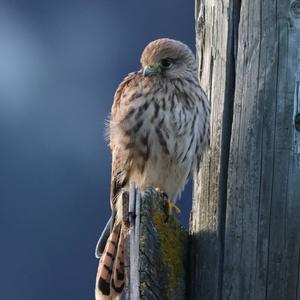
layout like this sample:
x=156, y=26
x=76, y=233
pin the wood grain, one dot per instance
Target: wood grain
x=156, y=251
x=246, y=209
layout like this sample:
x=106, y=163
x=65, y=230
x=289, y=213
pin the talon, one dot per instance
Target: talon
x=172, y=207
x=176, y=208
x=168, y=205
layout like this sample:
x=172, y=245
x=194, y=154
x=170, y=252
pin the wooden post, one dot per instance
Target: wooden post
x=156, y=250
x=246, y=208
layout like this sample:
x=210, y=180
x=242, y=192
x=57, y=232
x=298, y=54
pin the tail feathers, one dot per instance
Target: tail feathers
x=110, y=276
x=118, y=275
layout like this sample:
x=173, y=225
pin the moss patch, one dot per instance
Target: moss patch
x=172, y=237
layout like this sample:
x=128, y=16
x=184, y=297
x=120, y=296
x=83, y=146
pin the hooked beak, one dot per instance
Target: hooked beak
x=150, y=71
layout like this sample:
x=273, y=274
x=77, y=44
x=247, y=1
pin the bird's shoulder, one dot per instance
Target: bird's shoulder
x=129, y=83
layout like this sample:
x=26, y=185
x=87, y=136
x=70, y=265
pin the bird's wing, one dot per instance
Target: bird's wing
x=119, y=176
x=120, y=159
x=119, y=170
x=110, y=275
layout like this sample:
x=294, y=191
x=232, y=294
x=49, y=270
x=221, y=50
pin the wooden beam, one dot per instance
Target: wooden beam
x=156, y=250
x=245, y=221
x=215, y=35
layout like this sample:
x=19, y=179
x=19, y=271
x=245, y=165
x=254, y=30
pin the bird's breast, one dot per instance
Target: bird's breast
x=160, y=133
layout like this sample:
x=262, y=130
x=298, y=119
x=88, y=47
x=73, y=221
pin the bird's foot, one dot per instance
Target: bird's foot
x=169, y=206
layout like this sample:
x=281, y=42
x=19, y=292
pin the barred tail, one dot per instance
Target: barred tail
x=110, y=276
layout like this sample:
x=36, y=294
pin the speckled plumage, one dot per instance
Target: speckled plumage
x=158, y=130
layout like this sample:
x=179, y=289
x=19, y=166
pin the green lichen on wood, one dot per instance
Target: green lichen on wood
x=163, y=251
x=172, y=238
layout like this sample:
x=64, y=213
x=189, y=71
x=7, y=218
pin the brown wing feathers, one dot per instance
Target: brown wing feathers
x=110, y=277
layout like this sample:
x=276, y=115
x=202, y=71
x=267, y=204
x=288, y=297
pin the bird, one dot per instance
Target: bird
x=158, y=131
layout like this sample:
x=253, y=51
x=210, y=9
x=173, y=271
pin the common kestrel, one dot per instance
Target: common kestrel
x=158, y=130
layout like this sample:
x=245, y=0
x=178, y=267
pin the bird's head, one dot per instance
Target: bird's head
x=167, y=58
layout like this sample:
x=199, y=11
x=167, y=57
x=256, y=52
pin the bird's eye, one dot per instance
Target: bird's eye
x=166, y=63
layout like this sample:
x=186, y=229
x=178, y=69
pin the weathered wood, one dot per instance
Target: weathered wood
x=263, y=205
x=246, y=207
x=215, y=49
x=134, y=223
x=156, y=251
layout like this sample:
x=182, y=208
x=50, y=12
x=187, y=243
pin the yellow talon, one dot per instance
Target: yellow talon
x=170, y=205
x=175, y=207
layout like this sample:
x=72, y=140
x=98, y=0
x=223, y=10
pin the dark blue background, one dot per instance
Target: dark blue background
x=60, y=63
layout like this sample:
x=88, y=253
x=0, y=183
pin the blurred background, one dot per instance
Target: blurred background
x=60, y=63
